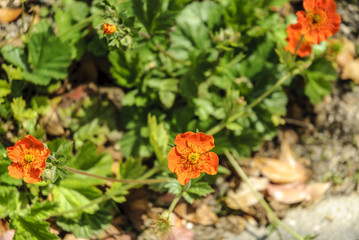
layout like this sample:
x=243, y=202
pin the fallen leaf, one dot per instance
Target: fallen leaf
x=203, y=214
x=346, y=53
x=8, y=235
x=317, y=190
x=288, y=193
x=285, y=170
x=9, y=14
x=243, y=198
x=297, y=192
x=52, y=123
x=351, y=71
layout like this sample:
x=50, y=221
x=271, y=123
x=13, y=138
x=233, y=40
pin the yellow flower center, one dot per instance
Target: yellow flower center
x=193, y=158
x=319, y=17
x=29, y=158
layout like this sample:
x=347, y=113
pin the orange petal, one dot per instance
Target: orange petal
x=210, y=163
x=309, y=5
x=181, y=142
x=184, y=177
x=173, y=159
x=200, y=142
x=16, y=171
x=33, y=176
x=15, y=153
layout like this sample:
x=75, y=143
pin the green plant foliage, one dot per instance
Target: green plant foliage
x=158, y=139
x=88, y=224
x=27, y=228
x=9, y=201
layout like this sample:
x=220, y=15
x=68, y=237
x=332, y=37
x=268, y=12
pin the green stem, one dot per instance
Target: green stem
x=107, y=196
x=297, y=48
x=78, y=25
x=271, y=214
x=234, y=117
x=178, y=197
x=138, y=181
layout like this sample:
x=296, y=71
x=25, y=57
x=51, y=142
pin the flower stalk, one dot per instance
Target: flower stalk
x=267, y=208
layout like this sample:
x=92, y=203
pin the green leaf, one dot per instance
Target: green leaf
x=158, y=139
x=135, y=143
x=92, y=132
x=4, y=88
x=132, y=168
x=27, y=228
x=40, y=104
x=42, y=210
x=69, y=199
x=49, y=59
x=18, y=108
x=87, y=225
x=9, y=201
x=317, y=86
x=200, y=189
x=12, y=73
x=126, y=67
x=15, y=55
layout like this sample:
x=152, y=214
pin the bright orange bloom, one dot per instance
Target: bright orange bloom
x=29, y=159
x=294, y=34
x=108, y=28
x=192, y=155
x=320, y=20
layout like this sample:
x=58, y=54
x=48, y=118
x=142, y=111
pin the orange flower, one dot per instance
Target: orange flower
x=294, y=34
x=191, y=156
x=29, y=159
x=320, y=20
x=108, y=28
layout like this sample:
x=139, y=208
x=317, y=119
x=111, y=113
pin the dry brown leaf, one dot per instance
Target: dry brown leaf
x=288, y=193
x=285, y=170
x=351, y=71
x=317, y=190
x=8, y=235
x=9, y=14
x=297, y=192
x=346, y=54
x=203, y=214
x=52, y=123
x=243, y=198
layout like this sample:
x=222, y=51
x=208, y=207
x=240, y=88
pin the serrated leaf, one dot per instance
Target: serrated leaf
x=135, y=143
x=27, y=228
x=92, y=132
x=40, y=104
x=4, y=88
x=158, y=139
x=14, y=55
x=9, y=201
x=132, y=168
x=200, y=188
x=18, y=108
x=42, y=210
x=87, y=224
x=69, y=199
x=317, y=86
x=49, y=59
x=12, y=72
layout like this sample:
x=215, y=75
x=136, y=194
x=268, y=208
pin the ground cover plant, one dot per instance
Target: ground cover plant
x=103, y=97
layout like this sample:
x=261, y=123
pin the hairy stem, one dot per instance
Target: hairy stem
x=267, y=208
x=108, y=195
x=138, y=181
x=297, y=48
x=178, y=197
